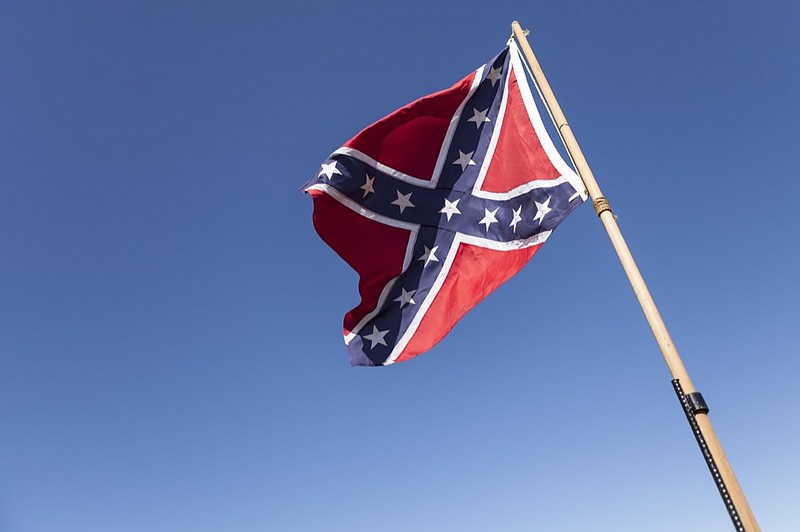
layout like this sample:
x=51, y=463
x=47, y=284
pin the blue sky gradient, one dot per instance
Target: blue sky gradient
x=170, y=324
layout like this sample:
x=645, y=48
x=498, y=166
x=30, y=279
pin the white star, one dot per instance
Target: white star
x=516, y=218
x=494, y=75
x=329, y=170
x=541, y=210
x=429, y=255
x=403, y=201
x=464, y=160
x=405, y=297
x=450, y=208
x=479, y=118
x=367, y=186
x=376, y=337
x=488, y=217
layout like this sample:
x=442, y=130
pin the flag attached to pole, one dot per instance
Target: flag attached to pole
x=438, y=204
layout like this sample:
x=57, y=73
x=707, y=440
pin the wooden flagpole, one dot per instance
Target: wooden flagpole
x=730, y=490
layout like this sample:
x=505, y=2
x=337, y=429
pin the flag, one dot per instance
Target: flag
x=439, y=203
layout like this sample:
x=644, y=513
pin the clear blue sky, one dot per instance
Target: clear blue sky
x=170, y=324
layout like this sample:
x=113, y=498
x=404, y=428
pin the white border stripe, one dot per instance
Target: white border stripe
x=460, y=238
x=443, y=151
x=498, y=126
x=412, y=240
x=400, y=176
x=566, y=173
x=533, y=113
x=527, y=187
x=354, y=206
x=451, y=130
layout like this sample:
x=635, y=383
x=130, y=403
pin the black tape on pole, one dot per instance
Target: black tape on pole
x=692, y=404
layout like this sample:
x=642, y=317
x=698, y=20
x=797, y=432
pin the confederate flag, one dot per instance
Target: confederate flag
x=438, y=204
